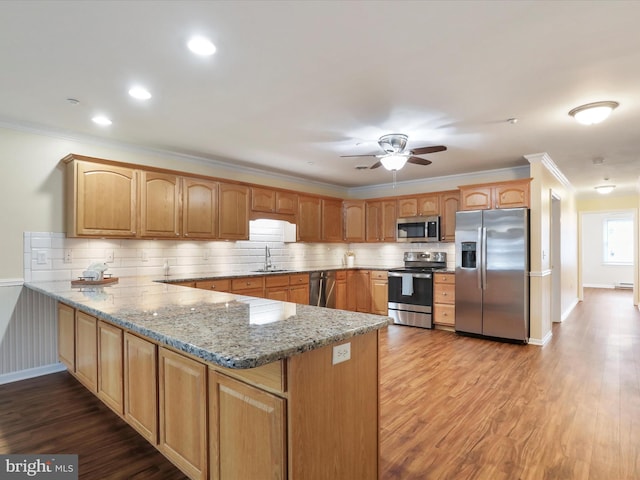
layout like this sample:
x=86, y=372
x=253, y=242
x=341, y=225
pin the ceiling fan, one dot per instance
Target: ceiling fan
x=394, y=155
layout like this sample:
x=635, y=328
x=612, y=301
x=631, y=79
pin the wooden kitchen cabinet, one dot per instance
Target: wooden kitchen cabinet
x=159, y=205
x=277, y=287
x=111, y=366
x=510, y=194
x=362, y=291
x=444, y=299
x=299, y=288
x=67, y=336
x=422, y=205
x=273, y=201
x=101, y=199
x=286, y=203
x=381, y=221
x=449, y=205
x=251, y=286
x=309, y=218
x=87, y=350
x=183, y=412
x=332, y=224
x=141, y=386
x=199, y=208
x=288, y=288
x=341, y=290
x=247, y=431
x=379, y=286
x=354, y=220
x=233, y=213
x=223, y=285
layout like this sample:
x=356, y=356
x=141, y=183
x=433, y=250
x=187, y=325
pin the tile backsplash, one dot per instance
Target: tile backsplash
x=53, y=256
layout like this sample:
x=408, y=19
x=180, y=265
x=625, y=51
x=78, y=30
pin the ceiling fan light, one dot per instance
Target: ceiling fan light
x=593, y=113
x=605, y=189
x=393, y=162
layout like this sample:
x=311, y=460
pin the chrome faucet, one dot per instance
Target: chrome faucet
x=267, y=258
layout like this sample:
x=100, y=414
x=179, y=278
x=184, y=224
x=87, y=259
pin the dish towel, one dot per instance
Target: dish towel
x=407, y=284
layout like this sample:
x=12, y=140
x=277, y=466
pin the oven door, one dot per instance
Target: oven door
x=411, y=298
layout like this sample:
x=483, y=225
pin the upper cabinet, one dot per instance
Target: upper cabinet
x=354, y=220
x=159, y=205
x=101, y=200
x=332, y=227
x=309, y=218
x=510, y=194
x=381, y=221
x=199, y=208
x=449, y=205
x=233, y=211
x=421, y=205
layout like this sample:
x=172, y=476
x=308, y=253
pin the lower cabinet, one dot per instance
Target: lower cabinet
x=379, y=292
x=247, y=435
x=183, y=412
x=67, y=336
x=444, y=299
x=87, y=350
x=341, y=290
x=111, y=366
x=141, y=386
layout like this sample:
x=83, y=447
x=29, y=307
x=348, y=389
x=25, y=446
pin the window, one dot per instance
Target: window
x=618, y=241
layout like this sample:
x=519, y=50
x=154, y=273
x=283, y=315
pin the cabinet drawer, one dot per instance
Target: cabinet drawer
x=444, y=314
x=276, y=281
x=299, y=279
x=249, y=283
x=448, y=278
x=379, y=274
x=217, y=285
x=444, y=294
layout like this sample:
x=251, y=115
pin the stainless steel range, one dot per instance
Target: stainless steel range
x=411, y=288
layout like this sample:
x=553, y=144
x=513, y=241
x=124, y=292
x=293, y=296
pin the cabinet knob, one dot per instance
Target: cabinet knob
x=213, y=287
x=248, y=283
x=177, y=234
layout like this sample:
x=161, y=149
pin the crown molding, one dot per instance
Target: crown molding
x=549, y=164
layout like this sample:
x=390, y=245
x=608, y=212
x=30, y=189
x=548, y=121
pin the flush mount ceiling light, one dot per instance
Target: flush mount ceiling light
x=604, y=189
x=201, y=46
x=393, y=162
x=139, y=93
x=101, y=120
x=592, y=113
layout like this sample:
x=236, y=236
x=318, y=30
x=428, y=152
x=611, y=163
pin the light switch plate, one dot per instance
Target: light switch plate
x=341, y=353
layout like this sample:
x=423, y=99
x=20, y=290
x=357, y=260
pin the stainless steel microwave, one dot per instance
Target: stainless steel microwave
x=418, y=229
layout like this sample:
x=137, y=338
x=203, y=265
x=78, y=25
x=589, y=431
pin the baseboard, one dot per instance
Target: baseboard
x=568, y=311
x=31, y=373
x=541, y=342
x=598, y=285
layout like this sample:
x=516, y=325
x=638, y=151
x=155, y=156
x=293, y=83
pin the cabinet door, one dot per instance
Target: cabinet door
x=247, y=431
x=389, y=217
x=407, y=207
x=141, y=386
x=374, y=221
x=101, y=199
x=476, y=198
x=354, y=220
x=363, y=291
x=428, y=205
x=299, y=294
x=286, y=203
x=183, y=412
x=449, y=205
x=341, y=295
x=67, y=336
x=309, y=219
x=87, y=350
x=110, y=366
x=199, y=208
x=263, y=200
x=332, y=223
x=512, y=195
x=223, y=285
x=379, y=293
x=277, y=293
x=233, y=212
x=159, y=205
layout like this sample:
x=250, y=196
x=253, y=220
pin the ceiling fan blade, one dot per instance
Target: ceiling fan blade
x=376, y=165
x=347, y=156
x=425, y=150
x=419, y=161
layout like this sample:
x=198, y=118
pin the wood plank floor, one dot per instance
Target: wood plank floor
x=451, y=407
x=454, y=407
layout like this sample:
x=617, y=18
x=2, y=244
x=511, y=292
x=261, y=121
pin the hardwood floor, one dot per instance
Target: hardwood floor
x=461, y=408
x=452, y=407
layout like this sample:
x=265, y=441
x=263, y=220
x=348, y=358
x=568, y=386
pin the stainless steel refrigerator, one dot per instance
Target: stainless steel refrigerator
x=492, y=273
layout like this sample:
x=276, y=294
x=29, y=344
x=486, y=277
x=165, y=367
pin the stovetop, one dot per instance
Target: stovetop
x=420, y=269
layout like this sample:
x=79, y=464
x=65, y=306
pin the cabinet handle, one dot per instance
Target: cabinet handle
x=444, y=294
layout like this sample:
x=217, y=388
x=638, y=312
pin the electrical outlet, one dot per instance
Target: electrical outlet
x=341, y=353
x=206, y=254
x=68, y=256
x=144, y=255
x=108, y=256
x=41, y=257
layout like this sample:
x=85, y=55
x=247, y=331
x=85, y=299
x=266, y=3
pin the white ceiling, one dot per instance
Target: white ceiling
x=294, y=85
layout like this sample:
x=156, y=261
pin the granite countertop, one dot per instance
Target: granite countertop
x=229, y=330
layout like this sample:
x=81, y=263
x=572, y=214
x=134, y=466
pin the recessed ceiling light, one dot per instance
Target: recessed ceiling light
x=593, y=113
x=201, y=46
x=101, y=120
x=512, y=120
x=140, y=93
x=73, y=101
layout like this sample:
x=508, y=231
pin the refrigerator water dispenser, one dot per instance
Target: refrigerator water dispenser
x=468, y=254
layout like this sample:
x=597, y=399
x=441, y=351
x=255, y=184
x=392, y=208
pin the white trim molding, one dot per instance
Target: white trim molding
x=541, y=342
x=543, y=273
x=550, y=165
x=568, y=311
x=11, y=282
x=31, y=373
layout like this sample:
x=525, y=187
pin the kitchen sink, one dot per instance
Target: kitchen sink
x=271, y=270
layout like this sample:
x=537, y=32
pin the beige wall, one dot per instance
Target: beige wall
x=31, y=184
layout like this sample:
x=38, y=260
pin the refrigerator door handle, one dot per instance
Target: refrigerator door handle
x=480, y=261
x=484, y=257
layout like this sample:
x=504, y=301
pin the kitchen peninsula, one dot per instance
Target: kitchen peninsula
x=228, y=386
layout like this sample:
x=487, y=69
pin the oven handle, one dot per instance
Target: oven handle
x=414, y=275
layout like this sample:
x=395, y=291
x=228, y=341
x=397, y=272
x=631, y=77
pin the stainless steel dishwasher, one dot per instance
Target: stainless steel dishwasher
x=322, y=289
